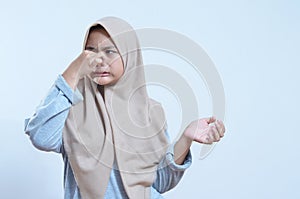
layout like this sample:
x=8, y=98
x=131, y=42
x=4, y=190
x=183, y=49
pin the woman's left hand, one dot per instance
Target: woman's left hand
x=206, y=130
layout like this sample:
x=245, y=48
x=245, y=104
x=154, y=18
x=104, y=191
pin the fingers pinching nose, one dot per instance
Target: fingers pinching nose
x=93, y=62
x=99, y=60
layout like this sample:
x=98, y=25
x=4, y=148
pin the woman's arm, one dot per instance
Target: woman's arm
x=169, y=173
x=206, y=131
x=45, y=126
x=178, y=157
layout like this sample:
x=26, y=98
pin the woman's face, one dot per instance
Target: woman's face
x=110, y=67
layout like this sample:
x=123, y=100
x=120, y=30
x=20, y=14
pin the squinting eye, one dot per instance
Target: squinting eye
x=89, y=48
x=110, y=52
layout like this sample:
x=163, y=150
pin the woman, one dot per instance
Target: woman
x=112, y=136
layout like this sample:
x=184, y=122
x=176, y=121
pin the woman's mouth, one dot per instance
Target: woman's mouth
x=101, y=74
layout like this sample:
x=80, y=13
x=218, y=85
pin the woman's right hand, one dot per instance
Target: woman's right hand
x=83, y=65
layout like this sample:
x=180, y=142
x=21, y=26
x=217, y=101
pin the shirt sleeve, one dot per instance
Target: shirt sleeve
x=45, y=126
x=169, y=173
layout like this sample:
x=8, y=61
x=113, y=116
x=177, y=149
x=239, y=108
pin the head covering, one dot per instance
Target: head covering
x=125, y=125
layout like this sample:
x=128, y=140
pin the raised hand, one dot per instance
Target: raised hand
x=83, y=65
x=206, y=130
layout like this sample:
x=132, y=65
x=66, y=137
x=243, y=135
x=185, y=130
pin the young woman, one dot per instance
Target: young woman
x=112, y=136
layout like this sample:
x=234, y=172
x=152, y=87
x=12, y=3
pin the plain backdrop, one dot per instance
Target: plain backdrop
x=254, y=44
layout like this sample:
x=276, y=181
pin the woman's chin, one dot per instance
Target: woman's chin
x=98, y=80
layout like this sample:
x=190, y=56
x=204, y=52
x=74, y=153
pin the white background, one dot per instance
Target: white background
x=254, y=44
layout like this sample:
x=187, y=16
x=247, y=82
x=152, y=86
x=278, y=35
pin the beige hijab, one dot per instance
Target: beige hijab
x=126, y=126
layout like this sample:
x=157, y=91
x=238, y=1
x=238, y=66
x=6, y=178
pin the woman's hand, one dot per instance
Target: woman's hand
x=206, y=130
x=83, y=65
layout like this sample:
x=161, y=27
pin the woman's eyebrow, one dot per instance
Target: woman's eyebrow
x=107, y=47
x=90, y=45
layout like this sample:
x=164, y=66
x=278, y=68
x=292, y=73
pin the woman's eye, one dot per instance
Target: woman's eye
x=110, y=52
x=89, y=48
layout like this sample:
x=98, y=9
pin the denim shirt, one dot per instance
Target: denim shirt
x=45, y=131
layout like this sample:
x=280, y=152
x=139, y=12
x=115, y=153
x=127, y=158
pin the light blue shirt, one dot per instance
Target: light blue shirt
x=45, y=131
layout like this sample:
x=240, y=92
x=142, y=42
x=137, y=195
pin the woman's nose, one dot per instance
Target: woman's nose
x=99, y=60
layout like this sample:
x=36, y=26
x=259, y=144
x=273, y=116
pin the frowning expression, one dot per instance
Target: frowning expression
x=110, y=67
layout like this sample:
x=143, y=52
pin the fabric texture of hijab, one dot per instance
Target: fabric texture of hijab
x=125, y=125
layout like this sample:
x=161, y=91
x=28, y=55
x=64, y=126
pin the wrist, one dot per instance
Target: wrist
x=71, y=77
x=186, y=139
x=181, y=148
x=187, y=135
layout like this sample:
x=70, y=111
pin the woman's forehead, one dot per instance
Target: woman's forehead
x=99, y=37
